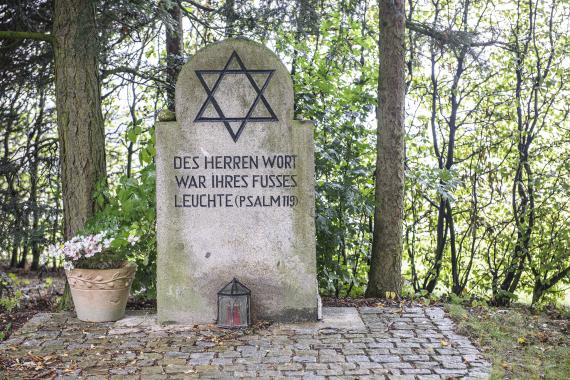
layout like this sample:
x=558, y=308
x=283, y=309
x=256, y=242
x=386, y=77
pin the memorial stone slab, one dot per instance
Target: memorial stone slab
x=235, y=189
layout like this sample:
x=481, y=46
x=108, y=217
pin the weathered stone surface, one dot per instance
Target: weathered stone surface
x=275, y=352
x=257, y=223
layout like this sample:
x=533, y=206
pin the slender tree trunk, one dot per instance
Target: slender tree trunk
x=519, y=195
x=14, y=254
x=174, y=49
x=10, y=176
x=18, y=222
x=55, y=225
x=25, y=249
x=79, y=118
x=385, y=266
x=231, y=17
x=34, y=163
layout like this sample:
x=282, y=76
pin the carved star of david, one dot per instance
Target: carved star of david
x=211, y=99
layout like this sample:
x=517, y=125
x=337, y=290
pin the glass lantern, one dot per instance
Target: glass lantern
x=233, y=305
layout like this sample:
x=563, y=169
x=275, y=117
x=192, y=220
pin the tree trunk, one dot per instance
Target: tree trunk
x=230, y=16
x=80, y=121
x=34, y=178
x=10, y=174
x=385, y=266
x=14, y=254
x=174, y=49
x=25, y=248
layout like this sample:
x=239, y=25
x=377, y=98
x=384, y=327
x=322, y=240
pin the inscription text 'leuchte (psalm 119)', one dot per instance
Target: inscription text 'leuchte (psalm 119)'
x=235, y=181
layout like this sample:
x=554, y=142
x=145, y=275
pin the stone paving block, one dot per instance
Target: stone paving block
x=369, y=365
x=170, y=369
x=357, y=372
x=352, y=351
x=313, y=376
x=378, y=351
x=385, y=358
x=290, y=367
x=401, y=351
x=315, y=366
x=477, y=375
x=415, y=358
x=380, y=344
x=330, y=372
x=447, y=358
x=342, y=366
x=415, y=371
x=178, y=361
x=450, y=372
x=430, y=364
x=229, y=354
x=152, y=370
x=381, y=371
x=454, y=365
x=331, y=358
x=396, y=365
x=305, y=359
x=245, y=373
x=112, y=377
x=176, y=354
x=276, y=359
x=222, y=361
x=123, y=371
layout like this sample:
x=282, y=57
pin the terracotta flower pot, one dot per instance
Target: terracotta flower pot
x=100, y=295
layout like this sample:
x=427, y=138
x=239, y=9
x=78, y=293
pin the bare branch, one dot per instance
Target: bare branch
x=199, y=6
x=454, y=38
x=6, y=34
x=132, y=71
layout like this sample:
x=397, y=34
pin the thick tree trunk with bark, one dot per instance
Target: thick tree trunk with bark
x=79, y=118
x=80, y=122
x=385, y=266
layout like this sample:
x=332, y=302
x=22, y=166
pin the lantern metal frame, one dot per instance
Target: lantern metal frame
x=235, y=289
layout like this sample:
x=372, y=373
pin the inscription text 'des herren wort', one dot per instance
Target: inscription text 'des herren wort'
x=247, y=172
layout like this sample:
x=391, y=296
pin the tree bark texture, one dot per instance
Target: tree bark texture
x=174, y=49
x=34, y=179
x=79, y=118
x=231, y=17
x=385, y=266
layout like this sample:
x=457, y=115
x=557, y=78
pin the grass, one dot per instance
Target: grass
x=520, y=344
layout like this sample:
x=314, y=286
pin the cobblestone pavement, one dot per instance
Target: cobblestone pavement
x=393, y=343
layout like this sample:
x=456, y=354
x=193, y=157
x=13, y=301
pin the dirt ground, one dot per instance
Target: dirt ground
x=34, y=295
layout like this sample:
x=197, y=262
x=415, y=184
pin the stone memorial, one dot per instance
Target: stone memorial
x=235, y=190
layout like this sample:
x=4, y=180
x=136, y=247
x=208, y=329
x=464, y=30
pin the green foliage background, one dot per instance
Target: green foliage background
x=484, y=80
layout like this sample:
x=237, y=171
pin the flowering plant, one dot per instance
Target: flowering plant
x=98, y=251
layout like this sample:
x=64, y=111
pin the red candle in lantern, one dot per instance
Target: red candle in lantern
x=236, y=319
